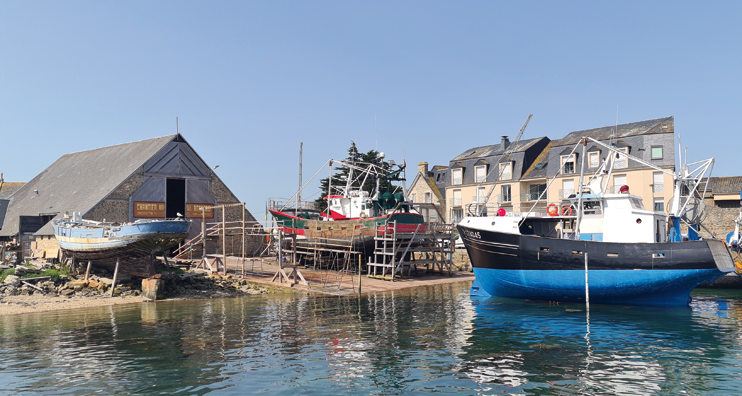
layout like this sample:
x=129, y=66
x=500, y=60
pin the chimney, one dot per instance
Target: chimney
x=505, y=143
x=423, y=168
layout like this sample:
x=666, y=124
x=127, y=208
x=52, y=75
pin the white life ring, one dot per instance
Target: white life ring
x=363, y=215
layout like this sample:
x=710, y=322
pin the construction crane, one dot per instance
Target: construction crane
x=479, y=207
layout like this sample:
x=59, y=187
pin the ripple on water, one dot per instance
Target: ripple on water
x=426, y=340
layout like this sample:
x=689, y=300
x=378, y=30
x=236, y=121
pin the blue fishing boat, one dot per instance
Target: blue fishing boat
x=597, y=243
x=92, y=240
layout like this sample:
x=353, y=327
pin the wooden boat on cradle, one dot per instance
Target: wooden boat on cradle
x=353, y=216
x=135, y=244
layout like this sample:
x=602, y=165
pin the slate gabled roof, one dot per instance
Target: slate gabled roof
x=77, y=182
x=725, y=185
x=658, y=125
x=9, y=188
x=495, y=149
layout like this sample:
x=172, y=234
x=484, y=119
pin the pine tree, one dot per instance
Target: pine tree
x=339, y=178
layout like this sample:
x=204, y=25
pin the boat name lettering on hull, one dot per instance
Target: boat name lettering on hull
x=472, y=234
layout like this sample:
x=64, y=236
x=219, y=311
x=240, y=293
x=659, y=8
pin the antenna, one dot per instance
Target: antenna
x=176, y=125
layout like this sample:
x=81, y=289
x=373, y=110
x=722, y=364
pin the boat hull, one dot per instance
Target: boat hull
x=539, y=268
x=133, y=240
x=341, y=234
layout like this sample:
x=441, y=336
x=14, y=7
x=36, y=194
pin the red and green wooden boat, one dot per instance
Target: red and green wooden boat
x=353, y=216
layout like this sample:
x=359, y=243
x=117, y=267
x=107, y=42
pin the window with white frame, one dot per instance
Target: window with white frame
x=568, y=188
x=593, y=159
x=480, y=173
x=505, y=195
x=457, y=215
x=456, y=198
x=568, y=164
x=535, y=191
x=622, y=162
x=456, y=176
x=428, y=198
x=412, y=197
x=658, y=184
x=480, y=195
x=506, y=171
x=659, y=205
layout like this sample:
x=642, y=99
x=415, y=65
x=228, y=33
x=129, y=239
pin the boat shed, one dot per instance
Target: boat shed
x=155, y=178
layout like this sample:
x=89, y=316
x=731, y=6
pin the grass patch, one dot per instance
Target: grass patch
x=54, y=273
x=176, y=271
x=4, y=274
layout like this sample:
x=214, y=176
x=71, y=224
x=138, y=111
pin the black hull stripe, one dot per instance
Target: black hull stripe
x=497, y=250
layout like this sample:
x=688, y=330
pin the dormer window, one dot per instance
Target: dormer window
x=593, y=159
x=480, y=173
x=622, y=161
x=568, y=164
x=456, y=178
x=506, y=171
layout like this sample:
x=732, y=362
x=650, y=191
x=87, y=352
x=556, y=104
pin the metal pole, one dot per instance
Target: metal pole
x=587, y=286
x=298, y=194
x=579, y=199
x=329, y=189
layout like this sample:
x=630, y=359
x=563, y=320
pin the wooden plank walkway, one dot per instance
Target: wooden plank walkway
x=334, y=282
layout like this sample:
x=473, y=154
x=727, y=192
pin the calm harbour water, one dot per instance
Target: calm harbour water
x=428, y=340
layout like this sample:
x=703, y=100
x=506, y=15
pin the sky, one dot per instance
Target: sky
x=418, y=80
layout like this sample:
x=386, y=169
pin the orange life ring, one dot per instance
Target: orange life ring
x=566, y=211
x=552, y=210
x=363, y=215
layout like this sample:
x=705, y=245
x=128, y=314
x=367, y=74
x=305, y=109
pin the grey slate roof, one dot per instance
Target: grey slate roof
x=658, y=125
x=495, y=149
x=77, y=182
x=725, y=185
x=9, y=188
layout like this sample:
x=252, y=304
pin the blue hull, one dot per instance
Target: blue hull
x=108, y=240
x=639, y=287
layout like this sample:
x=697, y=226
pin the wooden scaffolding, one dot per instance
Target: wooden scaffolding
x=400, y=253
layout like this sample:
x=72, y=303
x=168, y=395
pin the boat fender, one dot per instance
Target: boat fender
x=552, y=210
x=566, y=211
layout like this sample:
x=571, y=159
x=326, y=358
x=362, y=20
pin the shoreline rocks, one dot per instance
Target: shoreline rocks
x=187, y=285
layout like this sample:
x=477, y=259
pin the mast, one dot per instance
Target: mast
x=580, y=186
x=298, y=194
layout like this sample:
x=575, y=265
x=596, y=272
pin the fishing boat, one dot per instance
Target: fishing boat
x=93, y=240
x=354, y=215
x=598, y=245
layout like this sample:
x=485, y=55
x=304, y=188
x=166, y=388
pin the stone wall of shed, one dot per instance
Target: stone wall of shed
x=115, y=210
x=116, y=205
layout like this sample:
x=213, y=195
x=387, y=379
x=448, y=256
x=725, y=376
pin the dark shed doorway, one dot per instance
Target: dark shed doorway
x=175, y=199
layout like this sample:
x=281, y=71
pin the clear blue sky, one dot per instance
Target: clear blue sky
x=425, y=80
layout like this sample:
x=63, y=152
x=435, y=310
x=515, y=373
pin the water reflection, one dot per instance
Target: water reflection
x=540, y=347
x=434, y=339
